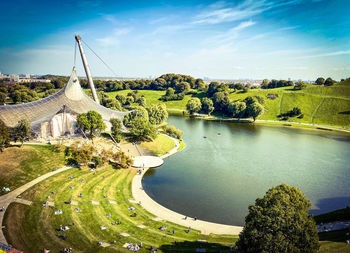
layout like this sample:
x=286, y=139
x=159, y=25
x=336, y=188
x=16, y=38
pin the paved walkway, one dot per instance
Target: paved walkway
x=147, y=162
x=10, y=197
x=163, y=213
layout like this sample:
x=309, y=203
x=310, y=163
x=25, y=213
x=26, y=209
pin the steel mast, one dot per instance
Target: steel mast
x=87, y=69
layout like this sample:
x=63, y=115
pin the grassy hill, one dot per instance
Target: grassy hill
x=320, y=105
x=21, y=165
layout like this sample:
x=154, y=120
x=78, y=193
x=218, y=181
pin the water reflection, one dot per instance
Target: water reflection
x=217, y=177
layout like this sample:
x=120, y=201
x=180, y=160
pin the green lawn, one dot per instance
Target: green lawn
x=319, y=105
x=160, y=145
x=33, y=228
x=152, y=97
x=21, y=165
x=334, y=242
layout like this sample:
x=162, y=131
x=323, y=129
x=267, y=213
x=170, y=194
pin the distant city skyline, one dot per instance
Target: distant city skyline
x=246, y=39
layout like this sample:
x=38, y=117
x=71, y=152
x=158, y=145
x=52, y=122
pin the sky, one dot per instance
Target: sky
x=253, y=39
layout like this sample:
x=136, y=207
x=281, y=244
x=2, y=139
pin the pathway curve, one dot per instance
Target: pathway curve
x=7, y=199
x=163, y=213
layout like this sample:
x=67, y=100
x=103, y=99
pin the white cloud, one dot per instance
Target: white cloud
x=114, y=38
x=344, y=52
x=231, y=34
x=220, y=12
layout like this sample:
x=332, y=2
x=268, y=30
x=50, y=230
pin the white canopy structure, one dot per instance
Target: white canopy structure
x=56, y=115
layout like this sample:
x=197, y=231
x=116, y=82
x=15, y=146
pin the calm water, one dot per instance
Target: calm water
x=217, y=177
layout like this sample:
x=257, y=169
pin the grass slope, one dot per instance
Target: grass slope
x=33, y=228
x=160, y=145
x=320, y=105
x=21, y=165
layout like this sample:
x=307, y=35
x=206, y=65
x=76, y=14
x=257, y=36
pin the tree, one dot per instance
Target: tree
x=182, y=87
x=207, y=105
x=2, y=98
x=299, y=85
x=193, y=105
x=249, y=100
x=279, y=222
x=221, y=101
x=199, y=84
x=157, y=114
x=169, y=92
x=173, y=131
x=142, y=101
x=81, y=154
x=22, y=131
x=121, y=98
x=237, y=108
x=116, y=129
x=264, y=84
x=129, y=100
x=138, y=112
x=329, y=81
x=91, y=122
x=254, y=110
x=142, y=129
x=121, y=159
x=4, y=136
x=320, y=81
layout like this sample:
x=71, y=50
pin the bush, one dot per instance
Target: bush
x=173, y=132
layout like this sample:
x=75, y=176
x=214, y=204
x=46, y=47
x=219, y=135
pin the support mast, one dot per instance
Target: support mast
x=87, y=69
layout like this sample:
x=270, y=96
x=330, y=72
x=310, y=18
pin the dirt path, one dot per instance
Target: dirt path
x=10, y=197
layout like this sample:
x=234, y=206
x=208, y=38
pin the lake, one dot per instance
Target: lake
x=216, y=178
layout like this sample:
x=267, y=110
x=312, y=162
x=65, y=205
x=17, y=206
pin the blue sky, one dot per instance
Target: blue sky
x=217, y=39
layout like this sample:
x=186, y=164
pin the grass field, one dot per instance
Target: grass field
x=320, y=105
x=21, y=165
x=33, y=228
x=160, y=145
x=334, y=242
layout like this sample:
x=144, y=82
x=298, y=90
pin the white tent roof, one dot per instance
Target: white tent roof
x=71, y=95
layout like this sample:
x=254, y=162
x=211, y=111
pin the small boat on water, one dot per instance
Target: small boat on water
x=219, y=133
x=204, y=137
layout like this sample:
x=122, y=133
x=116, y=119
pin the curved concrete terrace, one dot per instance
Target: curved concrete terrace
x=147, y=161
x=164, y=213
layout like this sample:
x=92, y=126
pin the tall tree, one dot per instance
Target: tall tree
x=91, y=123
x=254, y=110
x=193, y=105
x=320, y=81
x=142, y=129
x=237, y=108
x=116, y=129
x=279, y=222
x=4, y=136
x=138, y=112
x=22, y=131
x=207, y=105
x=157, y=114
x=299, y=85
x=329, y=81
x=121, y=98
x=2, y=98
